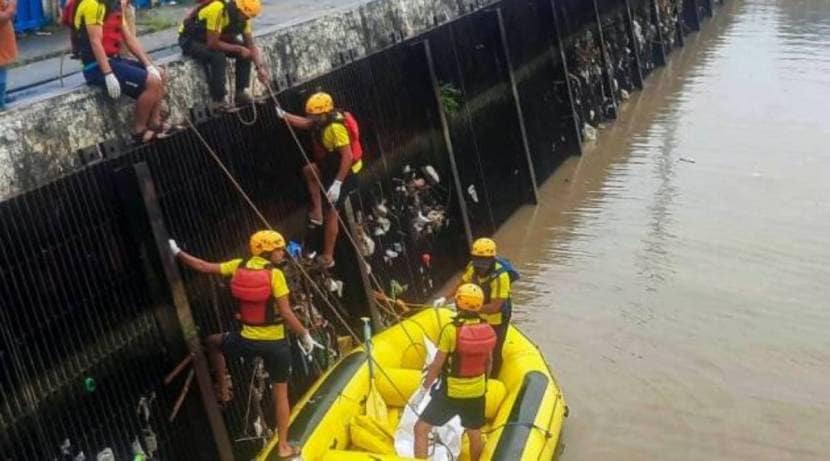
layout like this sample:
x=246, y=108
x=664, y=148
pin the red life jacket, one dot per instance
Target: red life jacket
x=473, y=345
x=252, y=289
x=347, y=120
x=112, y=35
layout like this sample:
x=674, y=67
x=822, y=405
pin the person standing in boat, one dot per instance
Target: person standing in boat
x=465, y=353
x=264, y=310
x=494, y=275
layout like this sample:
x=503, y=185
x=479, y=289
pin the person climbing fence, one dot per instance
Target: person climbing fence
x=260, y=288
x=337, y=160
x=97, y=34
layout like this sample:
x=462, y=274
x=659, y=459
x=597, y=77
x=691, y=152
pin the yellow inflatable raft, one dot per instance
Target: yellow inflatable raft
x=525, y=407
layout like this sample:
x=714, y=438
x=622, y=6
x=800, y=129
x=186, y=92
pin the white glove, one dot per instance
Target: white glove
x=442, y=301
x=113, y=87
x=280, y=112
x=154, y=71
x=334, y=191
x=174, y=247
x=307, y=343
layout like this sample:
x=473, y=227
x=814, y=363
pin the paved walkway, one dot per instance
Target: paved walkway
x=55, y=70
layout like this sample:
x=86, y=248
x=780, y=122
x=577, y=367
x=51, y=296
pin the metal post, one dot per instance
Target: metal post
x=459, y=188
x=566, y=75
x=518, y=104
x=690, y=14
x=145, y=201
x=364, y=271
x=607, y=76
x=629, y=24
x=660, y=51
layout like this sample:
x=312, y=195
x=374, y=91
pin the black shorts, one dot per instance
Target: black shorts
x=441, y=409
x=276, y=355
x=329, y=167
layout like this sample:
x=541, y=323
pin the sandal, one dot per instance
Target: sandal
x=323, y=262
x=144, y=137
x=314, y=222
x=295, y=453
x=165, y=129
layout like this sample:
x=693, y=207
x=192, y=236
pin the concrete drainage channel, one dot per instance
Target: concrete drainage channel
x=461, y=122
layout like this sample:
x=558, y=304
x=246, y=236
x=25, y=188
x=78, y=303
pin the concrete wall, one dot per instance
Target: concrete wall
x=39, y=141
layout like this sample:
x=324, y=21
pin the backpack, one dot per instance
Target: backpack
x=507, y=266
x=354, y=136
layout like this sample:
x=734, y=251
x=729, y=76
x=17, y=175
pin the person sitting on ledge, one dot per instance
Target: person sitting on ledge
x=98, y=32
x=210, y=34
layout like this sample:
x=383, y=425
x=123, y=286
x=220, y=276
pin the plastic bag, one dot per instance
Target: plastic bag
x=448, y=436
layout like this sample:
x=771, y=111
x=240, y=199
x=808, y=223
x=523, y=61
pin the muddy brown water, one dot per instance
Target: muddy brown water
x=685, y=307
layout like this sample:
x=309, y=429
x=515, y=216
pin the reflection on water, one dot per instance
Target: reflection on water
x=683, y=261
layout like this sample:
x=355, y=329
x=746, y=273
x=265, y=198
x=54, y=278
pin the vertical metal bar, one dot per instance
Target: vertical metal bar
x=519, y=113
x=691, y=15
x=629, y=25
x=661, y=43
x=607, y=76
x=148, y=198
x=459, y=189
x=566, y=75
x=361, y=264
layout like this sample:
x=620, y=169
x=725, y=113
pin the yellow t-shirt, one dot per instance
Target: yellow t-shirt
x=89, y=13
x=499, y=289
x=216, y=18
x=335, y=136
x=460, y=388
x=279, y=287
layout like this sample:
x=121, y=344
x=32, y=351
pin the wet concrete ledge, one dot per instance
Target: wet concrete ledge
x=38, y=141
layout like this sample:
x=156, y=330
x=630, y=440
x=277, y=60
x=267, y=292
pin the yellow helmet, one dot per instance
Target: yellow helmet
x=469, y=297
x=266, y=241
x=250, y=8
x=484, y=248
x=319, y=104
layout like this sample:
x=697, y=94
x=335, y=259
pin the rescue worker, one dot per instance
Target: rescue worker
x=337, y=159
x=465, y=352
x=98, y=31
x=261, y=290
x=487, y=272
x=210, y=33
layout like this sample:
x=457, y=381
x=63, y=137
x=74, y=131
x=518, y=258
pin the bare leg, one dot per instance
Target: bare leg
x=217, y=363
x=283, y=411
x=330, y=234
x=475, y=443
x=155, y=116
x=312, y=178
x=145, y=104
x=422, y=431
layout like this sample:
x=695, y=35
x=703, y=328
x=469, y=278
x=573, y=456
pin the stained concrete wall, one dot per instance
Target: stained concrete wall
x=39, y=141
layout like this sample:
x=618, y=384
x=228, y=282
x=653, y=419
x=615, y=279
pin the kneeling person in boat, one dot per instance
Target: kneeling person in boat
x=461, y=365
x=264, y=310
x=493, y=276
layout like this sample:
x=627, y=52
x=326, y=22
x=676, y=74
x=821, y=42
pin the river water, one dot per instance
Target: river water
x=676, y=275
